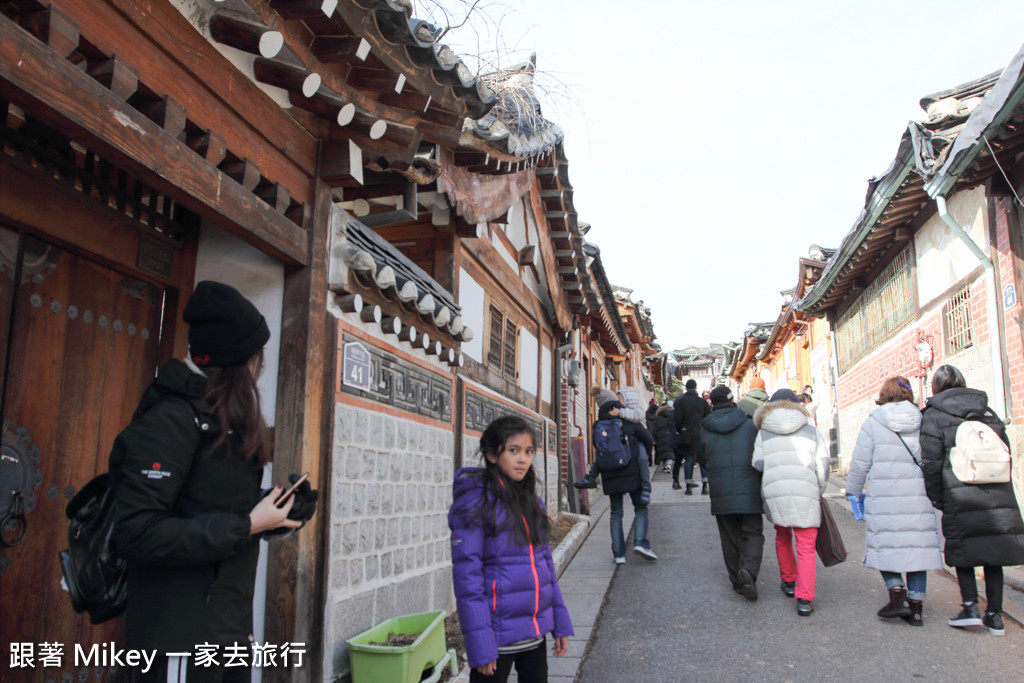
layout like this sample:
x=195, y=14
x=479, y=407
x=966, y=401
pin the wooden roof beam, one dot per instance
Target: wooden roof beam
x=31, y=74
x=304, y=9
x=245, y=33
x=340, y=49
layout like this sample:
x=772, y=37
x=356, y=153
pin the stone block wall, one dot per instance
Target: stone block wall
x=389, y=550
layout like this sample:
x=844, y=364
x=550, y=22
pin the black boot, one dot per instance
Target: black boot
x=704, y=489
x=897, y=605
x=915, y=612
x=689, y=488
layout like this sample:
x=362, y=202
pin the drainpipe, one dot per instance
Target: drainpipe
x=990, y=295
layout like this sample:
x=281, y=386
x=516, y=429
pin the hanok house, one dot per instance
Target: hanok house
x=638, y=368
x=930, y=271
x=407, y=229
x=744, y=366
x=797, y=350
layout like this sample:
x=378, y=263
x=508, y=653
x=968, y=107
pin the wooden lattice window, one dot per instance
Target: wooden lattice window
x=957, y=322
x=885, y=307
x=503, y=344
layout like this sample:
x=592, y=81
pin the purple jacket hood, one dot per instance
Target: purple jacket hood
x=505, y=592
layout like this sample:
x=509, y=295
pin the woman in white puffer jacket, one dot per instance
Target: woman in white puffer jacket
x=900, y=531
x=794, y=458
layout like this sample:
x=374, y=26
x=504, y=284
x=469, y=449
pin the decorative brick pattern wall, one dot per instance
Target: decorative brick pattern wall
x=858, y=386
x=389, y=544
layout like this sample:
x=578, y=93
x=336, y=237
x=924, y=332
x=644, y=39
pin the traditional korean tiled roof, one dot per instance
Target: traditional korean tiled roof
x=601, y=299
x=379, y=264
x=964, y=131
x=515, y=124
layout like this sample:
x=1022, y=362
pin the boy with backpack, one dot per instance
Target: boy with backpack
x=622, y=471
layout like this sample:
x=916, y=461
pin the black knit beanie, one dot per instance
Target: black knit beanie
x=224, y=327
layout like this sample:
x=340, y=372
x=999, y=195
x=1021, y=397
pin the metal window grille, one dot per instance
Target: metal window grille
x=886, y=306
x=958, y=322
x=888, y=301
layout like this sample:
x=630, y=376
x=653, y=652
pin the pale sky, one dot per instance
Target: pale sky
x=710, y=144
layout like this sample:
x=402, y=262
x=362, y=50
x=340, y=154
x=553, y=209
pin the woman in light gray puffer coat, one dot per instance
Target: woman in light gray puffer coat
x=901, y=533
x=794, y=458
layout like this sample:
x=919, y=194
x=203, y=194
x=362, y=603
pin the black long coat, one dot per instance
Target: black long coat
x=690, y=409
x=981, y=522
x=729, y=437
x=182, y=521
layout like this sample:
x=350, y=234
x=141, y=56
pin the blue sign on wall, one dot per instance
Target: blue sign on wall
x=355, y=366
x=1009, y=296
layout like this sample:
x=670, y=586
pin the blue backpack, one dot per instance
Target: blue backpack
x=611, y=445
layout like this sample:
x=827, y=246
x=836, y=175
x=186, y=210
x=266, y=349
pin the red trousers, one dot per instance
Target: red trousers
x=801, y=567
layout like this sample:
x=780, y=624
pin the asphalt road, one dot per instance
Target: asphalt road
x=678, y=619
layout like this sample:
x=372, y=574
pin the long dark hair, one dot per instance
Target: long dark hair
x=232, y=395
x=522, y=506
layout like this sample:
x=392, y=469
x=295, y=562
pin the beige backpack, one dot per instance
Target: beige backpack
x=978, y=455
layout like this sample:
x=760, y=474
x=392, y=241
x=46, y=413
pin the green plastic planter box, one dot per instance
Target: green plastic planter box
x=398, y=664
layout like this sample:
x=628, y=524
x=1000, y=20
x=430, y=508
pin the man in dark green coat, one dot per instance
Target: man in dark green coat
x=735, y=489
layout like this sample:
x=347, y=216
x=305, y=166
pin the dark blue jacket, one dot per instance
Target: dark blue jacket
x=729, y=444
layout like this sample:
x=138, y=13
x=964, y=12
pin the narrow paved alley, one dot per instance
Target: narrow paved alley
x=678, y=619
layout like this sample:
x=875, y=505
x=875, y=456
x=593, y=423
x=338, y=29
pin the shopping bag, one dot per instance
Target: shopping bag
x=829, y=543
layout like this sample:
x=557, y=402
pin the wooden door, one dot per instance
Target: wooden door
x=81, y=345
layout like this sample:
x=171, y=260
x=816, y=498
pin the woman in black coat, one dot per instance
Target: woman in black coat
x=981, y=522
x=188, y=510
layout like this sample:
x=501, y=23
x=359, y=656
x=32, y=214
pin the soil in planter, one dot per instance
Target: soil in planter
x=397, y=639
x=560, y=527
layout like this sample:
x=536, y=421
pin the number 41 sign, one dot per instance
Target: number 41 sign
x=355, y=367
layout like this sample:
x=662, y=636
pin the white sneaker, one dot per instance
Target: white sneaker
x=645, y=553
x=620, y=560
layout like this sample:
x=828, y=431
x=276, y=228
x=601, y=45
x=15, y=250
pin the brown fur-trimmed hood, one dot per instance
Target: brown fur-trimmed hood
x=781, y=417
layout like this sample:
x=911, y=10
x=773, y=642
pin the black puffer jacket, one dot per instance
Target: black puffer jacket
x=664, y=433
x=981, y=522
x=183, y=521
x=728, y=448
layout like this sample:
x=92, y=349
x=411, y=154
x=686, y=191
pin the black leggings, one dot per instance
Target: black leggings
x=993, y=586
x=531, y=667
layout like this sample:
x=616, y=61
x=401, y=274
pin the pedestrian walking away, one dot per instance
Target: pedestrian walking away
x=794, y=459
x=755, y=397
x=615, y=405
x=665, y=437
x=621, y=481
x=981, y=522
x=506, y=588
x=901, y=534
x=729, y=437
x=188, y=511
x=690, y=409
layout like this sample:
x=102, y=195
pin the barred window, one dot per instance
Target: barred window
x=885, y=307
x=957, y=321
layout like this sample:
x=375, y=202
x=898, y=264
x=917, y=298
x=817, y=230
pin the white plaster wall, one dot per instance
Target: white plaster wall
x=546, y=361
x=471, y=299
x=517, y=230
x=528, y=362
x=503, y=251
x=225, y=258
x=942, y=258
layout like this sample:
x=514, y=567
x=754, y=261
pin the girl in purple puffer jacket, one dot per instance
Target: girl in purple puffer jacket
x=504, y=578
